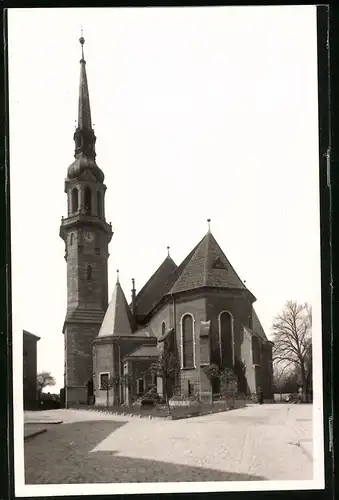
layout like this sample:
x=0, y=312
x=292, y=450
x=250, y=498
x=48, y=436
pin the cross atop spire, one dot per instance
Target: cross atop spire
x=82, y=41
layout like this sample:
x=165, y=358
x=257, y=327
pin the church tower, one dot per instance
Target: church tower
x=86, y=235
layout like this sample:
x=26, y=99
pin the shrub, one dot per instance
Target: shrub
x=212, y=371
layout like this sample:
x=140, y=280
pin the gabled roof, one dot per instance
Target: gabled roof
x=144, y=351
x=118, y=317
x=206, y=266
x=155, y=288
x=31, y=335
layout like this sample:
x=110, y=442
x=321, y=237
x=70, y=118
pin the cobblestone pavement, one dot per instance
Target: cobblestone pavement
x=254, y=443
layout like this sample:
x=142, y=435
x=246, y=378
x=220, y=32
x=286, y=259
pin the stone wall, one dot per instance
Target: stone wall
x=78, y=352
x=108, y=355
x=196, y=307
x=165, y=314
x=236, y=303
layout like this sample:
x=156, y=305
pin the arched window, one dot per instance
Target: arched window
x=187, y=341
x=88, y=200
x=163, y=328
x=99, y=204
x=226, y=339
x=74, y=200
x=89, y=272
x=71, y=239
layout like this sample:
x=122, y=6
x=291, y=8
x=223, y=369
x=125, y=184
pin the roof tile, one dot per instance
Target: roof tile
x=156, y=287
x=207, y=266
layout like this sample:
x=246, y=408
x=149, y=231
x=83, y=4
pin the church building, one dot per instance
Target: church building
x=198, y=311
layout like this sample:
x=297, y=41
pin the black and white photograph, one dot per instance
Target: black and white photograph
x=165, y=250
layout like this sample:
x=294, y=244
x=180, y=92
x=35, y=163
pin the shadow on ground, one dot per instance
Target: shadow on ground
x=62, y=456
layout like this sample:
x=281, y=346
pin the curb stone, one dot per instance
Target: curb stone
x=35, y=433
x=43, y=422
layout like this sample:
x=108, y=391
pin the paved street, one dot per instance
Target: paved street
x=270, y=442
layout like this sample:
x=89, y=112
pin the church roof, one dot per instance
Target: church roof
x=207, y=266
x=257, y=327
x=84, y=108
x=118, y=317
x=31, y=335
x=156, y=287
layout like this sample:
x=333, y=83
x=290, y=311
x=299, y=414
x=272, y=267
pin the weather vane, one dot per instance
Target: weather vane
x=82, y=41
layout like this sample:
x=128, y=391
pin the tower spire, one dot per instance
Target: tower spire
x=84, y=135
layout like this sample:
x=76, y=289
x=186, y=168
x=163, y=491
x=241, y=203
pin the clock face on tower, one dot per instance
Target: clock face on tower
x=89, y=237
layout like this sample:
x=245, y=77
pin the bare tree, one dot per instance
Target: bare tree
x=285, y=380
x=292, y=338
x=165, y=367
x=44, y=379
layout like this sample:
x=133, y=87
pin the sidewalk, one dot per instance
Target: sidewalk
x=32, y=430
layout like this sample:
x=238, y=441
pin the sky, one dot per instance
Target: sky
x=199, y=113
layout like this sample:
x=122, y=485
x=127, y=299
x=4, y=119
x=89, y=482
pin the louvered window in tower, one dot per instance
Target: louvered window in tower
x=74, y=200
x=88, y=200
x=226, y=339
x=187, y=342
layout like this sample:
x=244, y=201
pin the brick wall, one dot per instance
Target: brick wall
x=80, y=255
x=108, y=355
x=196, y=307
x=164, y=314
x=78, y=339
x=240, y=308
